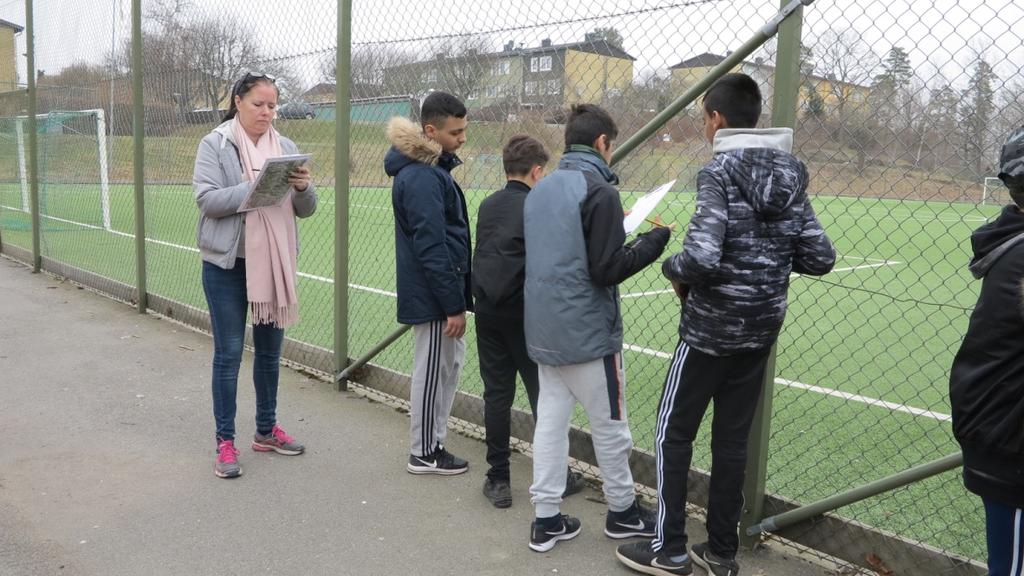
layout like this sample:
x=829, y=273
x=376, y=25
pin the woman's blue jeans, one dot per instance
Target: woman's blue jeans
x=229, y=306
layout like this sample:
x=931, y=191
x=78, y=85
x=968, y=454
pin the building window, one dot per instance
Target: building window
x=492, y=91
x=540, y=64
x=553, y=86
x=430, y=76
x=530, y=88
x=473, y=95
x=501, y=68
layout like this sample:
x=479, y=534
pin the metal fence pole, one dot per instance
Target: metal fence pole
x=785, y=92
x=342, y=118
x=138, y=140
x=892, y=482
x=33, y=136
x=790, y=9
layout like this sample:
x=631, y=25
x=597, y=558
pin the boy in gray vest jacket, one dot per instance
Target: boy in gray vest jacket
x=576, y=256
x=753, y=226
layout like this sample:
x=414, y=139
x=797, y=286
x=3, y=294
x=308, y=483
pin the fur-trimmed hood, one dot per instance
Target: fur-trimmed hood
x=408, y=144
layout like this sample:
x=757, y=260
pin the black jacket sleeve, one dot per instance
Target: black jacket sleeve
x=610, y=262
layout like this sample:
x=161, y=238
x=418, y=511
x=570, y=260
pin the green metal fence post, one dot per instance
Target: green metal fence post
x=785, y=92
x=138, y=140
x=342, y=116
x=33, y=136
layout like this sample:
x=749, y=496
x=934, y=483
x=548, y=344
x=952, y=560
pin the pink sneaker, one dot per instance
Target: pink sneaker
x=277, y=441
x=227, y=460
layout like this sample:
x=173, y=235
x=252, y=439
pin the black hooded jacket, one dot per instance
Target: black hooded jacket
x=986, y=384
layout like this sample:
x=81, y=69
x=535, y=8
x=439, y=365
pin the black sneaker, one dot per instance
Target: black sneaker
x=713, y=563
x=440, y=462
x=640, y=557
x=635, y=521
x=573, y=483
x=499, y=492
x=543, y=537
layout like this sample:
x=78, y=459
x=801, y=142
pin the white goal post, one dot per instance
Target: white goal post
x=993, y=192
x=101, y=153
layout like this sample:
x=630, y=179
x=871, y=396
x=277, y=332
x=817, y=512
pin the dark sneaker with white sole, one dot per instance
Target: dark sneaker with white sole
x=499, y=492
x=641, y=557
x=544, y=534
x=441, y=462
x=713, y=563
x=633, y=522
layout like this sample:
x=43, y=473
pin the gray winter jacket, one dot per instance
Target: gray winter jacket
x=575, y=259
x=754, y=225
x=220, y=188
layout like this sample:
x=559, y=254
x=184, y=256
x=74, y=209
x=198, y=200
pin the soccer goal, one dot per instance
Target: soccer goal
x=72, y=150
x=994, y=192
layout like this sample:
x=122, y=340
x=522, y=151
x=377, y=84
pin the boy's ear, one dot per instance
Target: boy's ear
x=719, y=120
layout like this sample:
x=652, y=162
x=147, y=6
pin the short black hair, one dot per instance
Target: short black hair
x=736, y=97
x=586, y=123
x=439, y=106
x=522, y=153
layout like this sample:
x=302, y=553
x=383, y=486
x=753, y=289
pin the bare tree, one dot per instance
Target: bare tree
x=194, y=60
x=369, y=64
x=462, y=64
x=846, y=61
x=219, y=52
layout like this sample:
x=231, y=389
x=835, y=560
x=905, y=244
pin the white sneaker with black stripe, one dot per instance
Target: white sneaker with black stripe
x=441, y=462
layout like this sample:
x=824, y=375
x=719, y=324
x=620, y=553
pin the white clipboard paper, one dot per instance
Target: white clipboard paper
x=271, y=188
x=644, y=205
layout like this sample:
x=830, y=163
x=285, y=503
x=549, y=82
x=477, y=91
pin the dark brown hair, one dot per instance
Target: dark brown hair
x=521, y=154
x=242, y=87
x=587, y=122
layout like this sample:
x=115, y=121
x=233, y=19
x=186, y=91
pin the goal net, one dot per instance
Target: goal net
x=74, y=182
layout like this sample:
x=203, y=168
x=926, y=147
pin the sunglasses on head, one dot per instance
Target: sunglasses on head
x=249, y=79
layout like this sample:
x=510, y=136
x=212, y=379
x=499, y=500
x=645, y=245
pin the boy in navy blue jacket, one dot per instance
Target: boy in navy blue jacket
x=753, y=226
x=432, y=256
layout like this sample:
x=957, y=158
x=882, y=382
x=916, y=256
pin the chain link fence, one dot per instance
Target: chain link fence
x=902, y=106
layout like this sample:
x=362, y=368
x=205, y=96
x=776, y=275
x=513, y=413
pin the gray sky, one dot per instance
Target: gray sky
x=941, y=36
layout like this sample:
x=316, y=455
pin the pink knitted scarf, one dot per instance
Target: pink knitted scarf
x=270, y=240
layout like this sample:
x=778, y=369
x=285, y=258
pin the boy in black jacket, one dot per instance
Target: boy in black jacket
x=754, y=225
x=499, y=262
x=986, y=382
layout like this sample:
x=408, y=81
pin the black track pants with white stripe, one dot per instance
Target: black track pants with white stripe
x=437, y=362
x=1005, y=529
x=694, y=380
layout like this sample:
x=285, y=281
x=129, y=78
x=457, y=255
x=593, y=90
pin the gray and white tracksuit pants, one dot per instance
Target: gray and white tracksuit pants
x=437, y=363
x=598, y=385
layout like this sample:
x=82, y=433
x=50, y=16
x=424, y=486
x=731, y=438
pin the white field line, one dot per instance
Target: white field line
x=793, y=275
x=196, y=250
x=633, y=348
x=895, y=407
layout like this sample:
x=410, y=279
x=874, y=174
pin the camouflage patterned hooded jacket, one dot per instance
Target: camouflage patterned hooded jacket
x=753, y=226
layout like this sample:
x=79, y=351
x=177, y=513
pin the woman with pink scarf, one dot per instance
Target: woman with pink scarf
x=249, y=262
